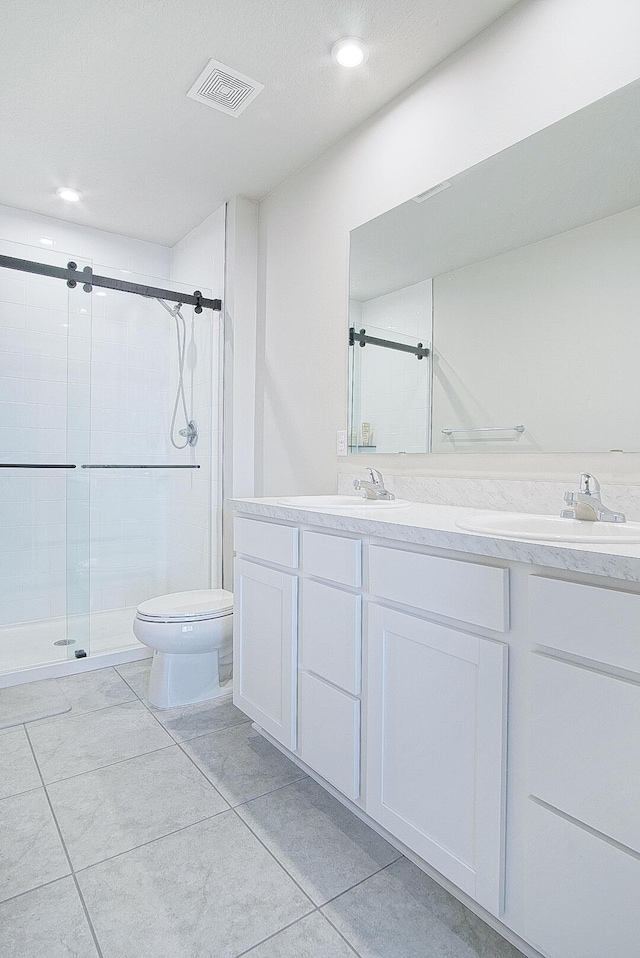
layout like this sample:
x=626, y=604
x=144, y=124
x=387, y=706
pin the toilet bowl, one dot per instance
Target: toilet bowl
x=190, y=634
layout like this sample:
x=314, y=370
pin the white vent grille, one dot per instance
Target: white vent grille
x=224, y=89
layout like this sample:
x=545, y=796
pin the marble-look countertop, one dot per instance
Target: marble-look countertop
x=435, y=525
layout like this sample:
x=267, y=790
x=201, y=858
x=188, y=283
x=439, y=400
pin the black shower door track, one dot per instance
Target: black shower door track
x=72, y=276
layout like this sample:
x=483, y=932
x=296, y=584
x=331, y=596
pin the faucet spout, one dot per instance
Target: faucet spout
x=373, y=488
x=587, y=504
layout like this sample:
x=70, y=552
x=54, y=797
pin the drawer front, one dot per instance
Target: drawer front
x=330, y=734
x=597, y=623
x=267, y=540
x=582, y=893
x=459, y=590
x=585, y=730
x=331, y=634
x=332, y=557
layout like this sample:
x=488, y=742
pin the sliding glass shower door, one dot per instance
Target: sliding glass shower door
x=45, y=341
x=109, y=454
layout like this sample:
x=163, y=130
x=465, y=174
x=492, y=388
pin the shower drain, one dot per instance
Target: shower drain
x=65, y=642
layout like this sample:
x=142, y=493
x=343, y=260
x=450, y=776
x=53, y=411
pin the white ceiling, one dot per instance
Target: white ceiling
x=575, y=172
x=93, y=95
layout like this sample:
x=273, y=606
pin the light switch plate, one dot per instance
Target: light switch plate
x=341, y=442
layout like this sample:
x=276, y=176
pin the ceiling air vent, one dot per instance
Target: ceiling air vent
x=224, y=89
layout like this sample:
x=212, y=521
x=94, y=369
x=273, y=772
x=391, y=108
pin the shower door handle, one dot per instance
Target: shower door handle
x=37, y=465
x=116, y=466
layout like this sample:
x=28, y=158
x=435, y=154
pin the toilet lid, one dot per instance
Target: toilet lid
x=181, y=606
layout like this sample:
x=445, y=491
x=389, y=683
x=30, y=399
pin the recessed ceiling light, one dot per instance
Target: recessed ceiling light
x=100, y=292
x=46, y=241
x=69, y=194
x=350, y=52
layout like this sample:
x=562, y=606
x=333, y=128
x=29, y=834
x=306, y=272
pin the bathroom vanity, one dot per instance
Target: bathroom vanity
x=475, y=698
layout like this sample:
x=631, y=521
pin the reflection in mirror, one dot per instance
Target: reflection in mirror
x=522, y=273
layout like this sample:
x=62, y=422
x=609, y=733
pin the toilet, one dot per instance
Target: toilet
x=190, y=634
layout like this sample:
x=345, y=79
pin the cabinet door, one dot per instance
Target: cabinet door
x=436, y=735
x=264, y=648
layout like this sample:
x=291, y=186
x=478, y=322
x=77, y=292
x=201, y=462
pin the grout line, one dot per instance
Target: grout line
x=44, y=884
x=274, y=935
x=152, y=841
x=270, y=792
x=68, y=857
x=120, y=761
x=358, y=883
x=285, y=870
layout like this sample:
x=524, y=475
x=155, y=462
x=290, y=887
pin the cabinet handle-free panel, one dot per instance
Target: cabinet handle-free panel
x=436, y=734
x=265, y=648
x=466, y=591
x=592, y=621
x=330, y=634
x=330, y=733
x=269, y=541
x=582, y=893
x=585, y=735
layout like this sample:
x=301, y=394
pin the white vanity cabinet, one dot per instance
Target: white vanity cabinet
x=330, y=659
x=582, y=824
x=390, y=669
x=436, y=717
x=265, y=633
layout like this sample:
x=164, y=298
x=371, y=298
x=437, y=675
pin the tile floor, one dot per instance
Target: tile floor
x=126, y=831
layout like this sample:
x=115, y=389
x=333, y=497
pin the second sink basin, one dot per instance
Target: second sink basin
x=520, y=525
x=332, y=503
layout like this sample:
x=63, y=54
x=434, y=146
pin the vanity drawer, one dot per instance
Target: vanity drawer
x=465, y=591
x=332, y=557
x=585, y=729
x=330, y=734
x=331, y=634
x=267, y=540
x=582, y=893
x=591, y=621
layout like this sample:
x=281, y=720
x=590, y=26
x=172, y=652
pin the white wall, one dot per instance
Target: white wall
x=540, y=62
x=546, y=336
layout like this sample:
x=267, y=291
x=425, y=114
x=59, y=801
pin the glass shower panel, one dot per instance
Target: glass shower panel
x=151, y=503
x=43, y=544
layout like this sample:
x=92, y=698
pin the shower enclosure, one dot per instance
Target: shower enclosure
x=99, y=508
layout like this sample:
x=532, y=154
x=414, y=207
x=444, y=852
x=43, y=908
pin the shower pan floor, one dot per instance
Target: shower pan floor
x=33, y=644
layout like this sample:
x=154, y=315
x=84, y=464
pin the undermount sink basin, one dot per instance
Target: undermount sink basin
x=515, y=525
x=331, y=503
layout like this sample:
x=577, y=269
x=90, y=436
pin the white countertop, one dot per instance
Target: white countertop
x=435, y=525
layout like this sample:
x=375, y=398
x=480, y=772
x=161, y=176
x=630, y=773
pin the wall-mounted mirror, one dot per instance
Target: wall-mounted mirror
x=522, y=276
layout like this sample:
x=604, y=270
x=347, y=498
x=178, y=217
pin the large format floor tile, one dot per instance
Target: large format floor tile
x=241, y=763
x=113, y=809
x=18, y=771
x=208, y=890
x=89, y=691
x=136, y=675
x=31, y=852
x=69, y=746
x=46, y=923
x=319, y=841
x=31, y=701
x=402, y=913
x=203, y=717
x=311, y=937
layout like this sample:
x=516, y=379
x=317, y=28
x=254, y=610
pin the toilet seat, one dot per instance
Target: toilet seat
x=196, y=606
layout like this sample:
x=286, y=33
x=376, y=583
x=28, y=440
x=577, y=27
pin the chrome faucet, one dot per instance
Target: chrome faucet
x=373, y=488
x=587, y=504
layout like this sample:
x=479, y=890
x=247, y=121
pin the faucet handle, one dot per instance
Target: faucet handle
x=589, y=485
x=376, y=476
x=570, y=497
